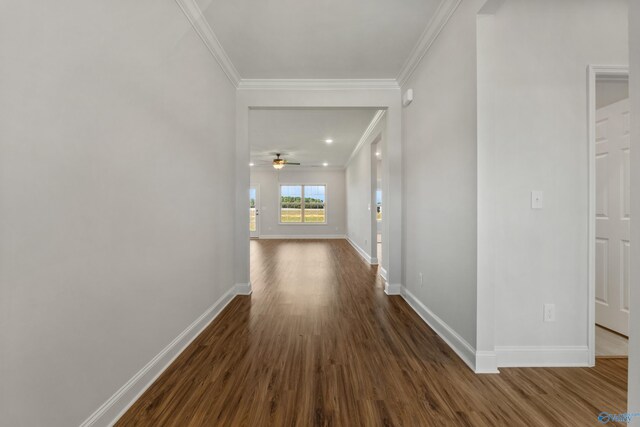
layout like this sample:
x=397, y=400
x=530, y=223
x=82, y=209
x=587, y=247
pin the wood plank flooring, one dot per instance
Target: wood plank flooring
x=610, y=344
x=319, y=344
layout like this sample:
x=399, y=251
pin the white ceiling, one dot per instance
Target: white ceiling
x=300, y=134
x=329, y=39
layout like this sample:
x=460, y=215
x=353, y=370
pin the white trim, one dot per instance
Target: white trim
x=317, y=84
x=203, y=29
x=486, y=362
x=542, y=356
x=594, y=72
x=302, y=236
x=458, y=344
x=383, y=273
x=393, y=288
x=368, y=258
x=367, y=133
x=110, y=411
x=243, y=288
x=434, y=27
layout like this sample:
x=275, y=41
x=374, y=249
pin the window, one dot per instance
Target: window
x=303, y=204
x=379, y=205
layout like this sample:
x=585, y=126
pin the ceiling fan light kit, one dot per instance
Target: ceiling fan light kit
x=279, y=163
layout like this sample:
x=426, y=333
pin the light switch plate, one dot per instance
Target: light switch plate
x=537, y=199
x=549, y=313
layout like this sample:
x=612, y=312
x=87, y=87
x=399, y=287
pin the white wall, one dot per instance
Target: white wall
x=360, y=184
x=115, y=215
x=269, y=182
x=439, y=176
x=634, y=83
x=537, y=82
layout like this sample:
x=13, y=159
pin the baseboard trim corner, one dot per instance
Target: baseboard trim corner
x=542, y=356
x=111, y=410
x=458, y=344
x=368, y=258
x=243, y=288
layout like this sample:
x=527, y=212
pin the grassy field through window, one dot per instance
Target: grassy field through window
x=293, y=215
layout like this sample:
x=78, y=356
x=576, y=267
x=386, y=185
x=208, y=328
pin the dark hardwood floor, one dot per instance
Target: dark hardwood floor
x=319, y=343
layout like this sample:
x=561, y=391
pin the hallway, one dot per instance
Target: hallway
x=319, y=343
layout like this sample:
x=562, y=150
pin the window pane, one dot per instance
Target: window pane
x=379, y=205
x=314, y=203
x=291, y=203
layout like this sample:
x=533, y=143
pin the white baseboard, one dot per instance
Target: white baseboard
x=542, y=356
x=117, y=405
x=243, y=288
x=392, y=289
x=364, y=254
x=486, y=362
x=303, y=236
x=383, y=273
x=458, y=344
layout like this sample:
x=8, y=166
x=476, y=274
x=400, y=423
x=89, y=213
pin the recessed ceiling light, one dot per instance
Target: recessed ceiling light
x=377, y=153
x=251, y=164
x=325, y=164
x=328, y=141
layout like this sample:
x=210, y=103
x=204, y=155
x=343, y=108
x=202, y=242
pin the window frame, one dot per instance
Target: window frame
x=326, y=203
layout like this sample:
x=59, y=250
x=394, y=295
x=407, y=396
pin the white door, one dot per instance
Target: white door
x=612, y=216
x=254, y=212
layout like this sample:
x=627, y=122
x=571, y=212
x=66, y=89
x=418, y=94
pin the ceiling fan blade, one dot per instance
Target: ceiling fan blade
x=292, y=163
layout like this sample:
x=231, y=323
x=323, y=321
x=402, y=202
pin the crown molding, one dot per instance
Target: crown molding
x=367, y=133
x=318, y=84
x=203, y=29
x=434, y=27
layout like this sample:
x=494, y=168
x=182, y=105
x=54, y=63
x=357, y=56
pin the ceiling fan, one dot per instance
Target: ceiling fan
x=279, y=163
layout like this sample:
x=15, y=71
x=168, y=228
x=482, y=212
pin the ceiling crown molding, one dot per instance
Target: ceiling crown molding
x=435, y=26
x=366, y=135
x=318, y=84
x=201, y=26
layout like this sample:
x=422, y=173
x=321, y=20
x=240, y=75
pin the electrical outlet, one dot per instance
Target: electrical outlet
x=421, y=281
x=549, y=312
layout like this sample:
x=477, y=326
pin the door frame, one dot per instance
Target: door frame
x=258, y=228
x=594, y=73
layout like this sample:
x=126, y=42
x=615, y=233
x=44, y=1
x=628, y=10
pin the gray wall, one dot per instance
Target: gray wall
x=115, y=214
x=611, y=91
x=439, y=176
x=269, y=182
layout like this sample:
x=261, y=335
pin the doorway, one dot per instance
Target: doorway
x=610, y=190
x=376, y=169
x=254, y=212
